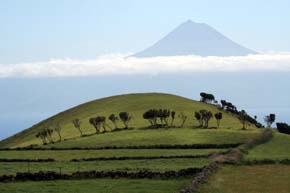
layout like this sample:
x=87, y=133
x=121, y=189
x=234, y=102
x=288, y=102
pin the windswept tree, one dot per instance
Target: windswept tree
x=198, y=117
x=113, y=118
x=243, y=116
x=77, y=124
x=206, y=97
x=206, y=117
x=45, y=136
x=165, y=114
x=172, y=117
x=151, y=117
x=283, y=128
x=183, y=118
x=218, y=117
x=270, y=119
x=42, y=135
x=98, y=123
x=153, y=114
x=58, y=129
x=49, y=133
x=125, y=118
x=228, y=106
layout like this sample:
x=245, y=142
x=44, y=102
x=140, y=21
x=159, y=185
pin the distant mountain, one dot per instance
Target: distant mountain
x=192, y=38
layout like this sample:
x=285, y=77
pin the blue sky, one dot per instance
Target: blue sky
x=34, y=30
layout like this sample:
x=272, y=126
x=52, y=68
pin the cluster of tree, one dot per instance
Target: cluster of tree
x=163, y=115
x=207, y=97
x=100, y=124
x=204, y=116
x=283, y=128
x=228, y=106
x=46, y=135
x=243, y=116
x=270, y=119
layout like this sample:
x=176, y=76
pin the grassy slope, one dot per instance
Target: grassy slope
x=278, y=148
x=160, y=136
x=250, y=179
x=135, y=104
x=97, y=186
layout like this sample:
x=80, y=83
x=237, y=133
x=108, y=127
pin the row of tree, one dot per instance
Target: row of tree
x=99, y=122
x=229, y=107
x=204, y=116
x=163, y=115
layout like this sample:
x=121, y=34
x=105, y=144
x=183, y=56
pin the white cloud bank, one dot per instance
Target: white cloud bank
x=120, y=64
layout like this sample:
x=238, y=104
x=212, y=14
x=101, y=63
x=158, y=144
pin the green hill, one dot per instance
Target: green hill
x=135, y=105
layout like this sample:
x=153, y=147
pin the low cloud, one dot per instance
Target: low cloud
x=120, y=64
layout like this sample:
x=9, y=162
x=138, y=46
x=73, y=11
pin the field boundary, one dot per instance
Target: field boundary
x=161, y=146
x=140, y=158
x=46, y=176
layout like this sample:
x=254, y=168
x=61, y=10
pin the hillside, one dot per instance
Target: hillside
x=134, y=104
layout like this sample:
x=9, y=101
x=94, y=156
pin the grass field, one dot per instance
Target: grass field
x=277, y=148
x=97, y=186
x=66, y=155
x=249, y=179
x=160, y=136
x=161, y=165
x=135, y=104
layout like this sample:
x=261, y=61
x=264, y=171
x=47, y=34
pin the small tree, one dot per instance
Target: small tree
x=198, y=117
x=270, y=119
x=42, y=135
x=172, y=117
x=205, y=117
x=113, y=118
x=243, y=118
x=58, y=129
x=125, y=118
x=283, y=128
x=77, y=124
x=183, y=118
x=98, y=122
x=48, y=133
x=218, y=117
x=206, y=97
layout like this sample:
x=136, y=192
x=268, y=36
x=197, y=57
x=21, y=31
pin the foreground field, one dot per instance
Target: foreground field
x=249, y=179
x=97, y=186
x=161, y=165
x=276, y=149
x=67, y=155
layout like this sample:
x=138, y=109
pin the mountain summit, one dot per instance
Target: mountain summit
x=191, y=38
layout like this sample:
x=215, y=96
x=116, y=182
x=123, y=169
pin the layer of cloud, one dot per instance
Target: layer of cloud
x=120, y=64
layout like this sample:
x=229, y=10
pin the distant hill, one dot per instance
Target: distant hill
x=135, y=104
x=192, y=38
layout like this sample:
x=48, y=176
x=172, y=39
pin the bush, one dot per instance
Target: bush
x=283, y=128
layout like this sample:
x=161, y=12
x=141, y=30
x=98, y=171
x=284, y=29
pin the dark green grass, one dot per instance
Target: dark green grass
x=249, y=179
x=97, y=186
x=161, y=165
x=160, y=136
x=277, y=148
x=135, y=104
x=66, y=155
